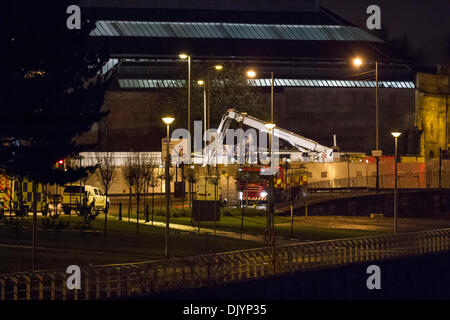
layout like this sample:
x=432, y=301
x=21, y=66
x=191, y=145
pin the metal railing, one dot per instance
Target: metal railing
x=409, y=180
x=146, y=278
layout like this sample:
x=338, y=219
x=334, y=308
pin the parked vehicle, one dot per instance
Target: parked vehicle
x=10, y=190
x=81, y=197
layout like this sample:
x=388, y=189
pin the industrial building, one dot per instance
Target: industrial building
x=318, y=91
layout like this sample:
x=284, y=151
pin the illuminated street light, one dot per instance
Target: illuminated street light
x=200, y=82
x=183, y=56
x=167, y=121
x=218, y=67
x=357, y=62
x=251, y=73
x=395, y=134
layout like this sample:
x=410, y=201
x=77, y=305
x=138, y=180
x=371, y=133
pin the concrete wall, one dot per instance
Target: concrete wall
x=318, y=113
x=362, y=174
x=429, y=203
x=432, y=96
x=411, y=175
x=135, y=123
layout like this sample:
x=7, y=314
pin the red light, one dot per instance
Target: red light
x=61, y=161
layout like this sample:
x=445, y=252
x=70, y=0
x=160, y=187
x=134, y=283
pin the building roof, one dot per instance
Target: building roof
x=263, y=28
x=311, y=83
x=221, y=30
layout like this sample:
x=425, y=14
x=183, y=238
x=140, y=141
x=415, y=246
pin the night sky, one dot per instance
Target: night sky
x=425, y=22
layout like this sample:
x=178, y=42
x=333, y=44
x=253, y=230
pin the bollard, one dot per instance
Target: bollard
x=146, y=213
x=120, y=211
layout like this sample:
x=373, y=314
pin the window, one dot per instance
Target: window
x=359, y=173
x=96, y=192
x=309, y=174
x=324, y=174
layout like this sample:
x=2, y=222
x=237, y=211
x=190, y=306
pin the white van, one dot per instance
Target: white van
x=93, y=196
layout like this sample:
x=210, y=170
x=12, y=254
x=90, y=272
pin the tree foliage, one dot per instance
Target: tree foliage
x=52, y=89
x=228, y=88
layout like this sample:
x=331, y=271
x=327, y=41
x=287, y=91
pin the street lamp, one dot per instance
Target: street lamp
x=167, y=121
x=395, y=134
x=184, y=56
x=270, y=213
x=252, y=74
x=357, y=62
x=217, y=67
x=202, y=83
x=207, y=99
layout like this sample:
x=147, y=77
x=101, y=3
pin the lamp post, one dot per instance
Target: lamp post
x=167, y=121
x=184, y=56
x=252, y=74
x=217, y=67
x=395, y=134
x=357, y=62
x=206, y=99
x=270, y=217
x=202, y=84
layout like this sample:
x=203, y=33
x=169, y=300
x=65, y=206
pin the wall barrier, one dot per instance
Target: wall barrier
x=125, y=280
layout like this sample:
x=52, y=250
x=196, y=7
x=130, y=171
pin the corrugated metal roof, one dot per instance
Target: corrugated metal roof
x=160, y=83
x=207, y=30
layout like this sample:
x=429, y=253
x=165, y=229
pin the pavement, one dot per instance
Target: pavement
x=220, y=233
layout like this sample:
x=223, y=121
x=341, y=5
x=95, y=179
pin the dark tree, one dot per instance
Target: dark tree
x=228, y=88
x=52, y=89
x=402, y=47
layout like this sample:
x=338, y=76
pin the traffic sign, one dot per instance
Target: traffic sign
x=377, y=153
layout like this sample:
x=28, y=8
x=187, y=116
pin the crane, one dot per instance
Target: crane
x=314, y=150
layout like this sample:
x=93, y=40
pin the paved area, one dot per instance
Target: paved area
x=371, y=224
x=221, y=233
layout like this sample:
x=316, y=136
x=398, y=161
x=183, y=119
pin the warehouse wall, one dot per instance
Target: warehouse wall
x=316, y=113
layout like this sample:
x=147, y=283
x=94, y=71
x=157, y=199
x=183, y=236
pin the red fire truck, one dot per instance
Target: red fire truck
x=253, y=187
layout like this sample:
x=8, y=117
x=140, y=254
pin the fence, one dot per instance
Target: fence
x=122, y=280
x=411, y=180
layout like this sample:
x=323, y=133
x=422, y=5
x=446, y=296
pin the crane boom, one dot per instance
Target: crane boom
x=316, y=150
